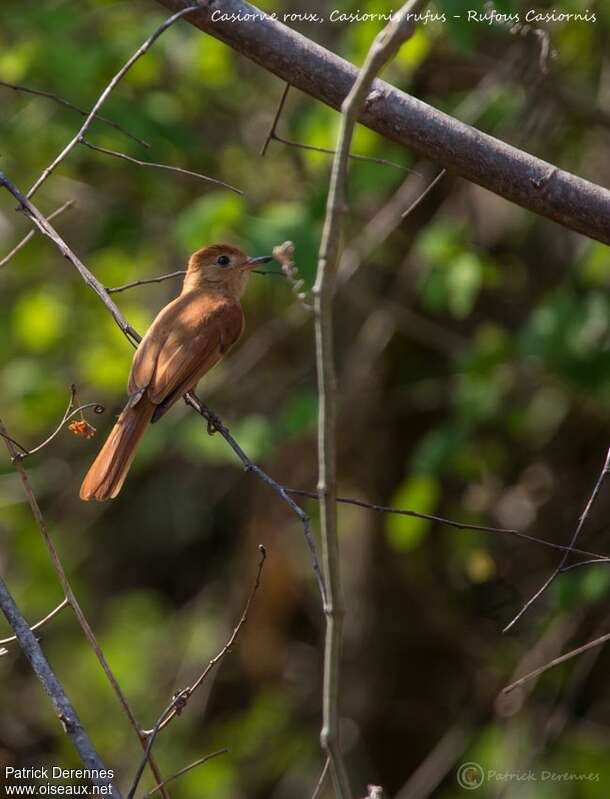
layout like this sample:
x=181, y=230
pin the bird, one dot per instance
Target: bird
x=187, y=338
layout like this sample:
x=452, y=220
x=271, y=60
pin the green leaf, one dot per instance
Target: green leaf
x=419, y=492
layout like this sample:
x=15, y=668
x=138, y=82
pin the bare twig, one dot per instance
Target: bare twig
x=217, y=425
x=71, y=597
x=276, y=119
x=46, y=229
x=424, y=193
x=57, y=99
x=354, y=156
x=31, y=234
x=583, y=518
x=106, y=93
x=597, y=558
x=70, y=413
x=384, y=47
x=145, y=282
x=63, y=708
x=185, y=770
x=161, y=278
x=55, y=612
x=273, y=135
x=557, y=661
x=153, y=165
x=177, y=702
x=181, y=699
x=317, y=791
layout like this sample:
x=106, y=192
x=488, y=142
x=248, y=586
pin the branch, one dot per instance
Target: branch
x=63, y=708
x=562, y=563
x=505, y=170
x=106, y=93
x=273, y=135
x=153, y=165
x=57, y=99
x=360, y=503
x=70, y=412
x=55, y=612
x=145, y=282
x=47, y=230
x=557, y=661
x=30, y=235
x=185, y=770
x=385, y=46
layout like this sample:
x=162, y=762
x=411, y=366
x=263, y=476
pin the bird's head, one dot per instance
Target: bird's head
x=221, y=267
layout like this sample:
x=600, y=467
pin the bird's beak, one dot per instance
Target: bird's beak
x=253, y=262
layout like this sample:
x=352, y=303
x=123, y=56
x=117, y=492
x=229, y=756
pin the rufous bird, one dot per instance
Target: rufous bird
x=187, y=338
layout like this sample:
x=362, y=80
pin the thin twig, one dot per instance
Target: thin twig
x=276, y=119
x=71, y=597
x=317, y=791
x=182, y=698
x=161, y=278
x=185, y=770
x=63, y=708
x=57, y=99
x=384, y=47
x=557, y=661
x=424, y=193
x=583, y=518
x=31, y=234
x=134, y=338
x=49, y=231
x=272, y=135
x=214, y=423
x=145, y=282
x=106, y=93
x=596, y=558
x=154, y=165
x=69, y=413
x=354, y=156
x=55, y=612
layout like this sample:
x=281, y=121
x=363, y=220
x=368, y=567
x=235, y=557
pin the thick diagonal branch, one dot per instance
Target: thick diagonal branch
x=505, y=170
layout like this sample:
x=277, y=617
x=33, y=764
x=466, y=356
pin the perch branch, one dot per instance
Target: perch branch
x=597, y=558
x=507, y=171
x=63, y=707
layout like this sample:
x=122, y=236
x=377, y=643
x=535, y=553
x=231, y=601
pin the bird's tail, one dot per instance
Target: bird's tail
x=109, y=470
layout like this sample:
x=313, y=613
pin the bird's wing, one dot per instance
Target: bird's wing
x=186, y=340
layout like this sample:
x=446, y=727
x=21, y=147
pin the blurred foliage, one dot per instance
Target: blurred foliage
x=486, y=399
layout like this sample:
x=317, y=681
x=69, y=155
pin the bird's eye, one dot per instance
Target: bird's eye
x=223, y=260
